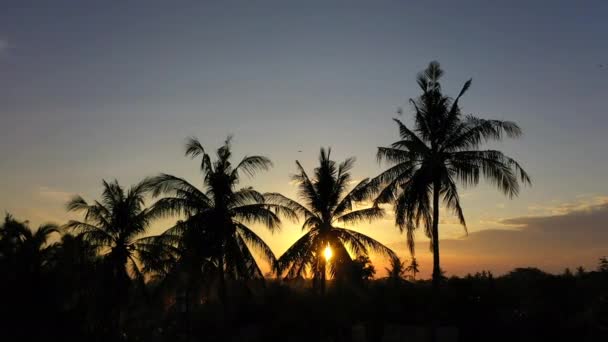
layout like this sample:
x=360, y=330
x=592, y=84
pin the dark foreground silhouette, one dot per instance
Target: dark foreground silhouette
x=60, y=292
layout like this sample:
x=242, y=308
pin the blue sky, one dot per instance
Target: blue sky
x=111, y=89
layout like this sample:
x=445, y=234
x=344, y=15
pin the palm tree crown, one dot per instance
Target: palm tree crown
x=441, y=150
x=113, y=225
x=216, y=230
x=396, y=270
x=413, y=268
x=327, y=207
x=29, y=250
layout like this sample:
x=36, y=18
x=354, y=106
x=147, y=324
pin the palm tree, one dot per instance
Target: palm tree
x=326, y=208
x=24, y=264
x=112, y=226
x=441, y=150
x=215, y=235
x=397, y=269
x=27, y=250
x=413, y=268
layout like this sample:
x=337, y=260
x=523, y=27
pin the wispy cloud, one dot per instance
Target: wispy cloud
x=3, y=45
x=581, y=202
x=571, y=234
x=47, y=193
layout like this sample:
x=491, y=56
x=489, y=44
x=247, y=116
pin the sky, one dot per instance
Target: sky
x=111, y=90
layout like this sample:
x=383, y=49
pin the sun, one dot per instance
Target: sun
x=328, y=253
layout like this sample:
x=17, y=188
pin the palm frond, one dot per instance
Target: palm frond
x=368, y=242
x=367, y=214
x=252, y=239
x=252, y=164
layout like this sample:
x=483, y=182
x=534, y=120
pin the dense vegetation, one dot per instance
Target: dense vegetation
x=105, y=278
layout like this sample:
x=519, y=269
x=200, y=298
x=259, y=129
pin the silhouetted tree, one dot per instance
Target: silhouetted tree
x=580, y=271
x=326, y=208
x=362, y=269
x=413, y=268
x=112, y=226
x=24, y=264
x=602, y=265
x=216, y=233
x=397, y=269
x=441, y=150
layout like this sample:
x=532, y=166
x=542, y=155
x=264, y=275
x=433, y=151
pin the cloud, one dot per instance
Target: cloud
x=582, y=202
x=577, y=234
x=54, y=195
x=574, y=237
x=3, y=45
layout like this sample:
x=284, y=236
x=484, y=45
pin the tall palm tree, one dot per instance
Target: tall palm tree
x=216, y=233
x=413, y=268
x=441, y=150
x=327, y=207
x=114, y=226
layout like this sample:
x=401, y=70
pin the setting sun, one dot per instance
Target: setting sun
x=328, y=253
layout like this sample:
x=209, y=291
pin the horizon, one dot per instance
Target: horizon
x=96, y=92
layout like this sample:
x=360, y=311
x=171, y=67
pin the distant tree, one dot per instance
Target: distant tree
x=362, y=268
x=327, y=207
x=397, y=269
x=413, y=268
x=441, y=150
x=567, y=273
x=603, y=264
x=580, y=271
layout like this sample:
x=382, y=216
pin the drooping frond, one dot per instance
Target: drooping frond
x=257, y=243
x=94, y=235
x=258, y=213
x=297, y=208
x=357, y=216
x=360, y=192
x=165, y=183
x=252, y=164
x=451, y=199
x=297, y=257
x=306, y=188
x=194, y=148
x=475, y=131
x=366, y=241
x=500, y=170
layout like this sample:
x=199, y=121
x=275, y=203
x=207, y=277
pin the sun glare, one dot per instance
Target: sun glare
x=328, y=253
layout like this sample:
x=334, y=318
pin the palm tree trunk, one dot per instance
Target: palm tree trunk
x=222, y=289
x=436, y=267
x=187, y=304
x=323, y=277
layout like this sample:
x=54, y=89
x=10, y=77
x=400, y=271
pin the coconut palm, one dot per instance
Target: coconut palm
x=440, y=151
x=215, y=235
x=396, y=270
x=26, y=250
x=25, y=291
x=413, y=268
x=327, y=207
x=114, y=226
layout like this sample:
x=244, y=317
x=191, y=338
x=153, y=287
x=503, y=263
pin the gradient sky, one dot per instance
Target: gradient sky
x=112, y=89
